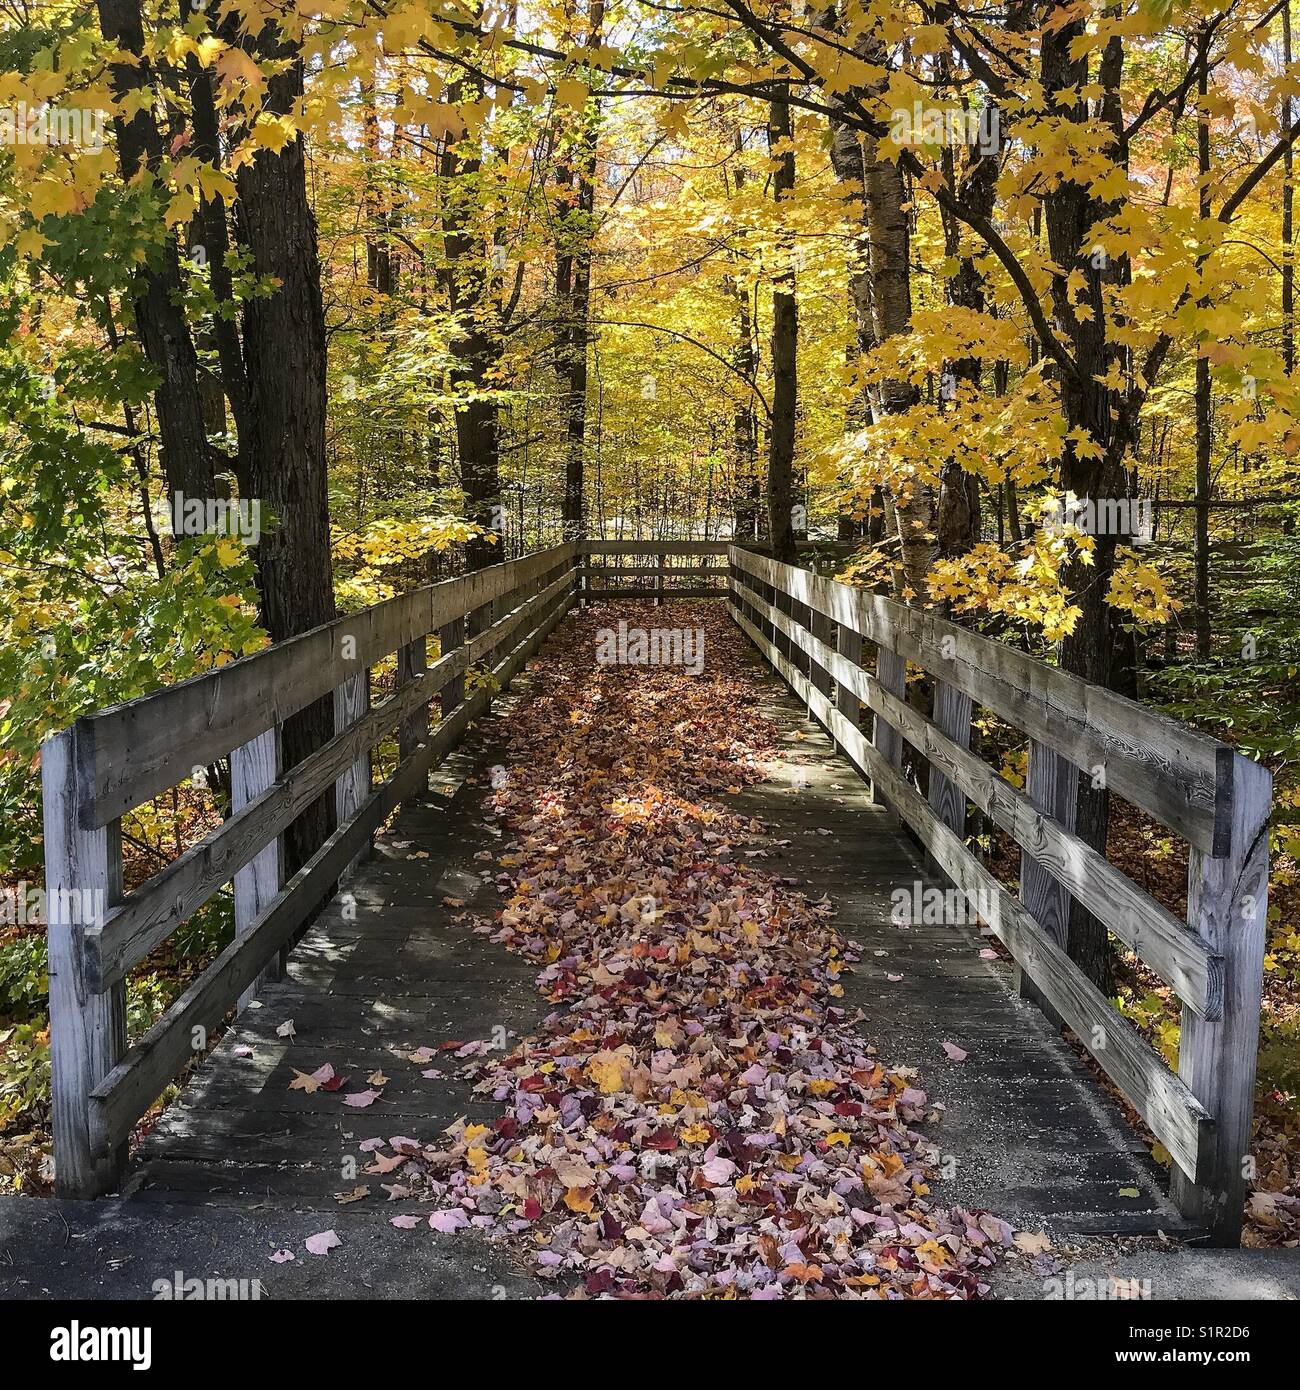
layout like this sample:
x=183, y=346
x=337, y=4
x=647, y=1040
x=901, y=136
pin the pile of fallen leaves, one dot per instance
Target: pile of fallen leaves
x=699, y=1115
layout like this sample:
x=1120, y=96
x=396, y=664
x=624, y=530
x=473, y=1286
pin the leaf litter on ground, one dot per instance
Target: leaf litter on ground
x=698, y=1116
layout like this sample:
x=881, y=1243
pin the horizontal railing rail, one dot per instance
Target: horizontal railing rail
x=812, y=631
x=609, y=569
x=116, y=759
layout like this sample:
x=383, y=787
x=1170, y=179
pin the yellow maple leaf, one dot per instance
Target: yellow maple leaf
x=406, y=27
x=53, y=197
x=273, y=132
x=213, y=183
x=235, y=67
x=606, y=1070
x=578, y=1198
x=31, y=243
x=571, y=91
x=181, y=208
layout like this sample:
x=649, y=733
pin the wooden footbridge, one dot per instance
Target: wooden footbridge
x=1031, y=1132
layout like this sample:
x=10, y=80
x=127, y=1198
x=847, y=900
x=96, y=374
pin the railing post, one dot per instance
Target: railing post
x=806, y=617
x=849, y=645
x=891, y=672
x=661, y=560
x=351, y=701
x=451, y=636
x=83, y=878
x=823, y=628
x=952, y=716
x=1227, y=907
x=1052, y=784
x=783, y=603
x=254, y=768
x=733, y=583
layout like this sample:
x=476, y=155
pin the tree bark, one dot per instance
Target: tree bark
x=1097, y=650
x=160, y=319
x=212, y=230
x=744, y=423
x=747, y=499
x=1204, y=404
x=913, y=509
x=957, y=524
x=284, y=350
x=785, y=344
x=1288, y=206
x=466, y=280
x=573, y=290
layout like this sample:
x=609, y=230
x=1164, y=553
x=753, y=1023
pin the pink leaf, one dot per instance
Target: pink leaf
x=322, y=1243
x=358, y=1100
x=404, y=1223
x=718, y=1170
x=954, y=1052
x=282, y=1257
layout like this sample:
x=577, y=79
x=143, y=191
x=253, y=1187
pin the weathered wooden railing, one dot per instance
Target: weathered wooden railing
x=812, y=631
x=112, y=761
x=640, y=569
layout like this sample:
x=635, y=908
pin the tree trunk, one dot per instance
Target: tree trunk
x=284, y=350
x=848, y=161
x=475, y=344
x=958, y=521
x=785, y=343
x=211, y=229
x=1288, y=204
x=744, y=423
x=160, y=319
x=914, y=510
x=575, y=230
x=1204, y=405
x=1090, y=651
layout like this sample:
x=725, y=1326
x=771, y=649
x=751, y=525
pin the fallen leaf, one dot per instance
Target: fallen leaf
x=323, y=1243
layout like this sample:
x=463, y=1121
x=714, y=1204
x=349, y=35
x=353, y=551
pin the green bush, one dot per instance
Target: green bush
x=24, y=1022
x=24, y=979
x=24, y=1070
